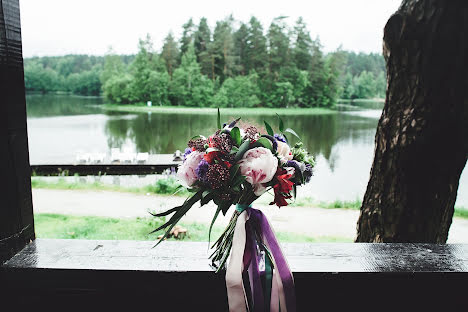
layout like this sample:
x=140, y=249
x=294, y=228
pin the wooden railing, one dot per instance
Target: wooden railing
x=176, y=276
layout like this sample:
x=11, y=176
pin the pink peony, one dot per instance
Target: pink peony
x=186, y=172
x=284, y=152
x=258, y=166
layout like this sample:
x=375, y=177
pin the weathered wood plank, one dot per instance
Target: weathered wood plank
x=328, y=277
x=16, y=216
x=192, y=256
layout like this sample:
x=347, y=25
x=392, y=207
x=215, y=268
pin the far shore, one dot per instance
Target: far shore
x=143, y=108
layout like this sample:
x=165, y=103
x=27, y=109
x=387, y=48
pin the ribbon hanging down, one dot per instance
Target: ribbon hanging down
x=269, y=289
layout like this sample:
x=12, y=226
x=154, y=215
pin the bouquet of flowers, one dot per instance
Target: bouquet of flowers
x=235, y=166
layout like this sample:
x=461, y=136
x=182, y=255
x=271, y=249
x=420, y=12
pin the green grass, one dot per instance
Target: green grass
x=84, y=227
x=142, y=108
x=168, y=186
x=163, y=186
x=380, y=100
x=337, y=204
x=461, y=212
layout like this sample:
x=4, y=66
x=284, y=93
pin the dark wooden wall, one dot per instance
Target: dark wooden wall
x=16, y=216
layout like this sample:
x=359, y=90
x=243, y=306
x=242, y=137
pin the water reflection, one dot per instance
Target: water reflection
x=48, y=105
x=60, y=126
x=164, y=133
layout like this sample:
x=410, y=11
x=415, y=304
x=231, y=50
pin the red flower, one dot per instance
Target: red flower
x=284, y=185
x=282, y=188
x=210, y=142
x=210, y=157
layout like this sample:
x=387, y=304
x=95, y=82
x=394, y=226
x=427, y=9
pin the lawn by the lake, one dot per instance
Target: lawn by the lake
x=91, y=227
x=241, y=111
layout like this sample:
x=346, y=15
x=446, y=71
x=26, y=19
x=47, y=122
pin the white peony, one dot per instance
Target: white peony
x=186, y=172
x=284, y=152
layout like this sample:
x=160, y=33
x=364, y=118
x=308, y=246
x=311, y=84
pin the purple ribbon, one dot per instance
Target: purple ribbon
x=251, y=248
x=259, y=219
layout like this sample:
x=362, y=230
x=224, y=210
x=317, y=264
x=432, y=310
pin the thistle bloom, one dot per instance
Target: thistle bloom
x=279, y=137
x=258, y=166
x=202, y=170
x=187, y=171
x=187, y=151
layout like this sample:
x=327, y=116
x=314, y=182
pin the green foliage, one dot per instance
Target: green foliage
x=86, y=82
x=228, y=66
x=170, y=53
x=118, y=89
x=240, y=91
x=188, y=86
x=169, y=185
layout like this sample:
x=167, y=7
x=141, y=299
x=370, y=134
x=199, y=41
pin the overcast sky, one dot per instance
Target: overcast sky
x=58, y=27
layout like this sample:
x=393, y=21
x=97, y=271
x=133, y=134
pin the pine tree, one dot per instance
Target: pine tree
x=188, y=86
x=170, y=53
x=302, y=45
x=278, y=44
x=113, y=66
x=204, y=48
x=241, y=45
x=143, y=70
x=317, y=76
x=187, y=36
x=223, y=52
x=256, y=54
x=202, y=37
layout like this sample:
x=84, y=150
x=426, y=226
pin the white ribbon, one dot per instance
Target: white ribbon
x=234, y=283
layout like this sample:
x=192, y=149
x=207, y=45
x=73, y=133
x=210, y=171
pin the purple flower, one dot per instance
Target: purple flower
x=188, y=150
x=202, y=170
x=308, y=173
x=304, y=169
x=279, y=137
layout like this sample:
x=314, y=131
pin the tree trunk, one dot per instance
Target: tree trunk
x=422, y=136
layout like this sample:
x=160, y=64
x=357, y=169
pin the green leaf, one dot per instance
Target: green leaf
x=219, y=119
x=212, y=222
x=197, y=136
x=236, y=136
x=265, y=143
x=242, y=149
x=175, y=218
x=234, y=150
x=206, y=198
x=289, y=130
x=238, y=180
x=233, y=171
x=225, y=206
x=281, y=124
x=269, y=129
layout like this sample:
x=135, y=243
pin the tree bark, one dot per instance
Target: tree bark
x=422, y=136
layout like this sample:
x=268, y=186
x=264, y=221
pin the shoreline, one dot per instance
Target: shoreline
x=142, y=108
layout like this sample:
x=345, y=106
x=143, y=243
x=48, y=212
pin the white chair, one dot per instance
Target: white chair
x=115, y=155
x=142, y=158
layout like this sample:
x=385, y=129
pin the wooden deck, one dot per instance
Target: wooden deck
x=156, y=164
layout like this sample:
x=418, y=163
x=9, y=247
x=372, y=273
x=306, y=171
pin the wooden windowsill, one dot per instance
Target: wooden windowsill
x=114, y=271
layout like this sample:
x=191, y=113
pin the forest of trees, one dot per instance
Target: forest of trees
x=244, y=66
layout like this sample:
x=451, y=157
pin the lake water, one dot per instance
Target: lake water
x=60, y=126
